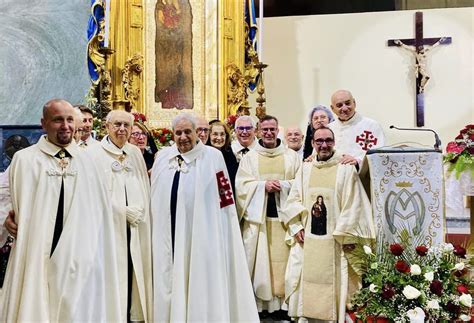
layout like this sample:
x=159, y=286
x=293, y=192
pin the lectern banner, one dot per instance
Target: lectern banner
x=408, y=194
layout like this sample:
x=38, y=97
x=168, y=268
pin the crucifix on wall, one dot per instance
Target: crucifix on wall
x=417, y=47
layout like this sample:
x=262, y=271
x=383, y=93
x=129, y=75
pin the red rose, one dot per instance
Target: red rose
x=396, y=249
x=421, y=250
x=462, y=289
x=459, y=251
x=436, y=287
x=470, y=126
x=459, y=137
x=453, y=308
x=139, y=117
x=470, y=150
x=402, y=266
x=388, y=292
x=453, y=147
x=162, y=139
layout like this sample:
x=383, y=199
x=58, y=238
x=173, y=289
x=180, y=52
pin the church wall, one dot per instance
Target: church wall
x=42, y=56
x=310, y=57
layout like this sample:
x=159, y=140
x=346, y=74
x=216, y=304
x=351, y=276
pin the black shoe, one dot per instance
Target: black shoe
x=280, y=315
x=263, y=315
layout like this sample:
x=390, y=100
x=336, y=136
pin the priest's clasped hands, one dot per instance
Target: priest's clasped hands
x=272, y=186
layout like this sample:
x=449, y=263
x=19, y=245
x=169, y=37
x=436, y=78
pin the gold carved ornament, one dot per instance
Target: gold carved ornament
x=237, y=95
x=131, y=80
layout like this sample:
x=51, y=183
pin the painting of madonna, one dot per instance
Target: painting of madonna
x=173, y=54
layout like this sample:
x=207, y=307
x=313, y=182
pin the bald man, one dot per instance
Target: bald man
x=294, y=139
x=354, y=133
x=62, y=266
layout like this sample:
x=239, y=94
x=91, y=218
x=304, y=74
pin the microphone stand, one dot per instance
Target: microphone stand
x=437, y=144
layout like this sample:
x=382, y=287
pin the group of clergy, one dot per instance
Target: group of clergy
x=98, y=239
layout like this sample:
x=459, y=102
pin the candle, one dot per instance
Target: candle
x=260, y=31
x=107, y=23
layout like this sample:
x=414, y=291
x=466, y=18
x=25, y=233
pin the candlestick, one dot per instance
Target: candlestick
x=260, y=31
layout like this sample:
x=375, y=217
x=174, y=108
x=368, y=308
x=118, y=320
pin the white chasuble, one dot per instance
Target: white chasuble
x=204, y=278
x=78, y=282
x=263, y=236
x=328, y=201
x=128, y=187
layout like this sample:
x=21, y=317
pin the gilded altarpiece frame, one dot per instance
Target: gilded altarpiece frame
x=217, y=41
x=203, y=62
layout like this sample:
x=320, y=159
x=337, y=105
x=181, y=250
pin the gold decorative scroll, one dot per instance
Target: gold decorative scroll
x=236, y=89
x=130, y=79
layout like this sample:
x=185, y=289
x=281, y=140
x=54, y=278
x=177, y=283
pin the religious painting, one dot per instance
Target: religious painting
x=173, y=54
x=15, y=138
x=181, y=59
x=319, y=217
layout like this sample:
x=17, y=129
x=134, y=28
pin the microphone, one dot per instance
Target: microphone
x=437, y=144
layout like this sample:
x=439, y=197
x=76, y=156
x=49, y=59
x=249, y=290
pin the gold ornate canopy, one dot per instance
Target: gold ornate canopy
x=215, y=69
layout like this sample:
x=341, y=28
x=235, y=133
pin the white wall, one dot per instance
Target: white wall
x=310, y=57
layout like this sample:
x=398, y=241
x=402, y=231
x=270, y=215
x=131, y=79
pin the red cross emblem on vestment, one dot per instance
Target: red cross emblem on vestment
x=225, y=190
x=366, y=140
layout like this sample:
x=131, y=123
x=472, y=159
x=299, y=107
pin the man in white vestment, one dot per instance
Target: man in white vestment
x=263, y=181
x=202, y=129
x=124, y=170
x=354, y=133
x=328, y=214
x=294, y=139
x=86, y=139
x=62, y=266
x=245, y=133
x=199, y=267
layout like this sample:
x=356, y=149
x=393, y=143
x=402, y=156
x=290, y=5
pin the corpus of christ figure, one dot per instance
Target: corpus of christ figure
x=417, y=47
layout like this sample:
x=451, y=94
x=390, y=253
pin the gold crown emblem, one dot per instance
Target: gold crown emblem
x=404, y=184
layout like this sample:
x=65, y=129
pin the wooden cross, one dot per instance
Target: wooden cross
x=416, y=46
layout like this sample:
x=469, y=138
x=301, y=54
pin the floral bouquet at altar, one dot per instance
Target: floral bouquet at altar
x=403, y=283
x=163, y=137
x=460, y=152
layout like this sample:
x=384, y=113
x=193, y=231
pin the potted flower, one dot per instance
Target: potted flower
x=403, y=283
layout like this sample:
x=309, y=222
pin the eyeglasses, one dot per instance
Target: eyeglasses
x=138, y=135
x=242, y=129
x=320, y=142
x=201, y=129
x=268, y=129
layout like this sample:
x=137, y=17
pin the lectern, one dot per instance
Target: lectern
x=407, y=194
